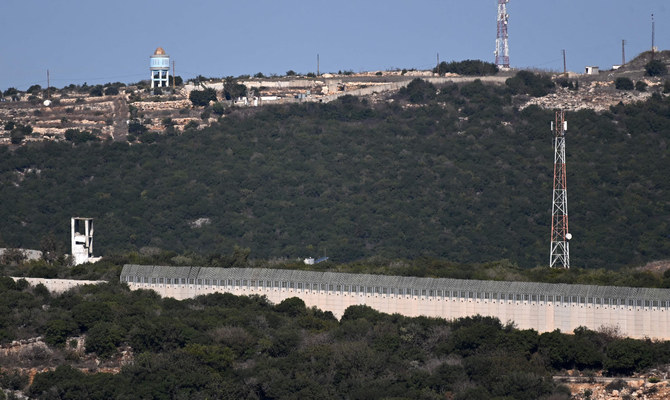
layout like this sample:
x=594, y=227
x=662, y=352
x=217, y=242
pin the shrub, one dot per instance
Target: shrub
x=656, y=68
x=467, y=67
x=96, y=91
x=624, y=84
x=34, y=89
x=111, y=91
x=526, y=82
x=202, y=97
x=136, y=128
x=76, y=136
x=617, y=384
x=217, y=108
x=640, y=86
x=418, y=91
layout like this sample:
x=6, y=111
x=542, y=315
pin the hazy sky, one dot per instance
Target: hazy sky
x=96, y=42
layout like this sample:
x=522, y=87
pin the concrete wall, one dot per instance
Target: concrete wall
x=57, y=285
x=543, y=316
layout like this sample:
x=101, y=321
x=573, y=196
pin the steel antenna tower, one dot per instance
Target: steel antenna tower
x=560, y=251
x=502, y=51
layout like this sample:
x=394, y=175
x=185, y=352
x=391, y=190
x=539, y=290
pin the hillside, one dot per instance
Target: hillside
x=457, y=173
x=105, y=342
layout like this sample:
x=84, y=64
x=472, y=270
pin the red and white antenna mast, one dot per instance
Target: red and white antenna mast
x=502, y=51
x=560, y=251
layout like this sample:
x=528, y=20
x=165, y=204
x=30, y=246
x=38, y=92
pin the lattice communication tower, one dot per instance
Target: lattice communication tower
x=502, y=51
x=560, y=251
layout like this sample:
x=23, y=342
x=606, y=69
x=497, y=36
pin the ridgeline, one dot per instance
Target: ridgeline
x=455, y=172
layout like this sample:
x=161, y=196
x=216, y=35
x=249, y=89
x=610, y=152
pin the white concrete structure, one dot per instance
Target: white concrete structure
x=82, y=240
x=635, y=312
x=57, y=285
x=591, y=70
x=160, y=69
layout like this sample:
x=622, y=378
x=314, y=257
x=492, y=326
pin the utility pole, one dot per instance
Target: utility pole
x=438, y=64
x=653, y=36
x=623, y=52
x=559, y=251
x=565, y=69
x=48, y=83
x=317, y=64
x=173, y=78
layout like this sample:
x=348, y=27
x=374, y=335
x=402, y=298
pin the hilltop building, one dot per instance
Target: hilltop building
x=160, y=68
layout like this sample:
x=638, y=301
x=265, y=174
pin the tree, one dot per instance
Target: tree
x=655, y=67
x=96, y=91
x=202, y=97
x=640, y=86
x=467, y=67
x=217, y=108
x=177, y=80
x=77, y=137
x=624, y=83
x=626, y=356
x=19, y=133
x=418, y=91
x=136, y=128
x=232, y=90
x=103, y=339
x=34, y=89
x=290, y=72
x=526, y=82
x=111, y=91
x=58, y=330
x=292, y=306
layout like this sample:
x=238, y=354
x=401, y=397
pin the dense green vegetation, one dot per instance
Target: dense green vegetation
x=467, y=67
x=223, y=346
x=457, y=173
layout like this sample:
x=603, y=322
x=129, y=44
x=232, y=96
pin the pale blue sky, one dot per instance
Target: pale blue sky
x=96, y=42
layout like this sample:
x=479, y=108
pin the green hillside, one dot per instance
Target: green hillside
x=221, y=346
x=457, y=173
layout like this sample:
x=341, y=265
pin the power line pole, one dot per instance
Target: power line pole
x=318, y=62
x=48, y=83
x=438, y=64
x=560, y=251
x=653, y=36
x=565, y=69
x=623, y=52
x=173, y=77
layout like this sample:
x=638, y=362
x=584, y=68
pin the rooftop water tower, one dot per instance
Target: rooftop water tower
x=160, y=68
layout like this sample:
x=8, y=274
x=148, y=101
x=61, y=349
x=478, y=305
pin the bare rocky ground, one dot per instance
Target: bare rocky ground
x=108, y=116
x=617, y=388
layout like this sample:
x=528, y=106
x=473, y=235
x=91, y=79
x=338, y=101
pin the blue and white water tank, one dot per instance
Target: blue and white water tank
x=160, y=68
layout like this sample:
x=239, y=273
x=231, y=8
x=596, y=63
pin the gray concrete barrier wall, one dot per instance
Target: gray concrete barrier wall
x=634, y=312
x=57, y=285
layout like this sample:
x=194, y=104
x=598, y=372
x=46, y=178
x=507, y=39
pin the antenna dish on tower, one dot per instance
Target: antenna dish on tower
x=502, y=49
